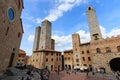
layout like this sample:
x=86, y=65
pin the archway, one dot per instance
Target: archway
x=11, y=59
x=69, y=67
x=115, y=64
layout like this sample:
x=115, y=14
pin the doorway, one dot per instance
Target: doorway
x=11, y=59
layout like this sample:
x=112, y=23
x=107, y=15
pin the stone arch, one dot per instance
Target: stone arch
x=115, y=64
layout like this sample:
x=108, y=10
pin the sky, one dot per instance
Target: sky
x=68, y=17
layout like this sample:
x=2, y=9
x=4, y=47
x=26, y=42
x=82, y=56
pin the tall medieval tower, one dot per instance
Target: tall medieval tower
x=75, y=42
x=76, y=53
x=95, y=32
x=37, y=38
x=45, y=35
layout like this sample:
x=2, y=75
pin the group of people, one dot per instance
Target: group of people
x=36, y=74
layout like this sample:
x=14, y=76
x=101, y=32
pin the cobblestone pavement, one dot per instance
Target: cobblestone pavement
x=78, y=76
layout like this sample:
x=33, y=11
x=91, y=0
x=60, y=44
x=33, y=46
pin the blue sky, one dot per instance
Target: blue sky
x=68, y=17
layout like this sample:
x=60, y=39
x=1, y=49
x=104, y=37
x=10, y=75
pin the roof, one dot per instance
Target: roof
x=21, y=51
x=47, y=50
x=70, y=50
x=85, y=43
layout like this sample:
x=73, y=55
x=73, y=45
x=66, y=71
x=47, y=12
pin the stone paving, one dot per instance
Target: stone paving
x=18, y=74
x=63, y=75
x=79, y=76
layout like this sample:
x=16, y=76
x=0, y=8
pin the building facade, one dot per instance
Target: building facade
x=44, y=55
x=22, y=58
x=11, y=31
x=99, y=51
x=68, y=59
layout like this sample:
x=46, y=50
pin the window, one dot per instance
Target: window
x=56, y=54
x=118, y=48
x=57, y=59
x=88, y=51
x=76, y=49
x=68, y=58
x=7, y=31
x=52, y=59
x=59, y=54
x=36, y=60
x=13, y=49
x=10, y=14
x=95, y=36
x=77, y=60
x=18, y=34
x=46, y=59
x=89, y=59
x=98, y=50
x=51, y=53
x=85, y=64
x=83, y=58
x=89, y=8
x=108, y=49
x=82, y=52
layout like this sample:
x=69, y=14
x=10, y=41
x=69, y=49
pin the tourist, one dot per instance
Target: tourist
x=22, y=78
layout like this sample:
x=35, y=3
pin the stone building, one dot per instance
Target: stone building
x=22, y=58
x=99, y=51
x=11, y=31
x=68, y=59
x=44, y=54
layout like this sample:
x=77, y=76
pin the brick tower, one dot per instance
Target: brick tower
x=95, y=32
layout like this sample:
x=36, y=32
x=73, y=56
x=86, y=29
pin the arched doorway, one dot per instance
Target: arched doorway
x=65, y=66
x=51, y=67
x=69, y=67
x=11, y=59
x=115, y=64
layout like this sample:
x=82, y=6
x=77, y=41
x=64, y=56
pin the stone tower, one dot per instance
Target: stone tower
x=76, y=52
x=95, y=32
x=37, y=38
x=45, y=38
x=75, y=42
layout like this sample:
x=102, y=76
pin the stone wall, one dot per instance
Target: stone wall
x=11, y=31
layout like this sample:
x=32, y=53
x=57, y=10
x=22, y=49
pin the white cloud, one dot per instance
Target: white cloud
x=62, y=40
x=31, y=38
x=84, y=36
x=61, y=7
x=65, y=42
x=38, y=20
x=113, y=32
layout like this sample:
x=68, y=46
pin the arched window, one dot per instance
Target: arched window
x=108, y=49
x=118, y=48
x=89, y=59
x=98, y=50
x=88, y=51
x=83, y=58
x=82, y=52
